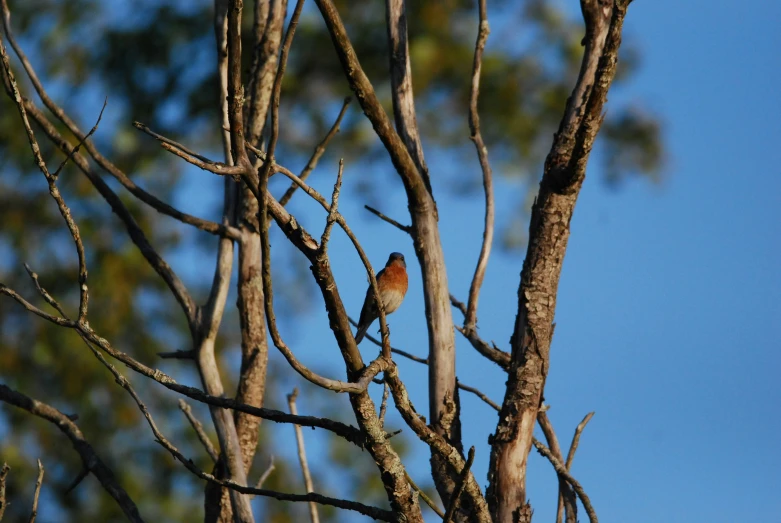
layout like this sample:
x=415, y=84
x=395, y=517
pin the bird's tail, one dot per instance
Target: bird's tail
x=360, y=333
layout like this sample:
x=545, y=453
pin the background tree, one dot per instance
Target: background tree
x=143, y=300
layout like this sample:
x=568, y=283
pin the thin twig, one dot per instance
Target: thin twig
x=566, y=496
x=424, y=361
x=470, y=319
x=291, y=402
x=88, y=456
x=36, y=495
x=160, y=138
x=177, y=355
x=493, y=354
x=198, y=428
x=213, y=167
x=480, y=395
x=427, y=500
x=329, y=222
x=576, y=439
x=345, y=431
x=571, y=456
x=83, y=473
x=266, y=473
x=401, y=85
x=81, y=142
x=104, y=163
x=384, y=403
x=318, y=152
x=542, y=449
x=51, y=180
x=135, y=232
x=435, y=441
x=405, y=228
x=460, y=488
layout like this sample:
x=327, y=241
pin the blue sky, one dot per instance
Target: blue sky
x=668, y=318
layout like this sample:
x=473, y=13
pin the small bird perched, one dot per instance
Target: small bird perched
x=392, y=284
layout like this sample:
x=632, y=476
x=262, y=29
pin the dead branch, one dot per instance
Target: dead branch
x=460, y=487
x=137, y=236
x=89, y=458
x=470, y=319
x=104, y=163
x=437, y=443
x=349, y=433
x=36, y=495
x=291, y=402
x=401, y=85
x=562, y=179
x=566, y=494
x=570, y=456
x=198, y=428
x=427, y=500
x=317, y=154
x=405, y=228
x=52, y=182
x=266, y=473
x=543, y=450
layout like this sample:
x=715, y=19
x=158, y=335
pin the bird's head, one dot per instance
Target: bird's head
x=396, y=258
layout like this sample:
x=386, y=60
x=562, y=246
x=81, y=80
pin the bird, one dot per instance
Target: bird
x=392, y=285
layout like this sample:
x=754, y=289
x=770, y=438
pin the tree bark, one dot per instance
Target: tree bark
x=565, y=169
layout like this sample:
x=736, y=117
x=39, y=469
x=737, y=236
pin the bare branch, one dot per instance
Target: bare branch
x=401, y=85
x=566, y=495
x=36, y=495
x=405, y=228
x=576, y=439
x=347, y=432
x=318, y=152
x=104, y=163
x=427, y=500
x=542, y=449
x=436, y=442
x=3, y=474
x=231, y=484
x=263, y=477
x=77, y=481
x=564, y=173
x=198, y=428
x=291, y=402
x=364, y=91
x=332, y=213
x=424, y=361
x=213, y=167
x=460, y=488
x=81, y=142
x=571, y=456
x=177, y=355
x=51, y=180
x=89, y=458
x=43, y=292
x=480, y=395
x=267, y=30
x=134, y=231
x=470, y=320
x=384, y=403
x=494, y=354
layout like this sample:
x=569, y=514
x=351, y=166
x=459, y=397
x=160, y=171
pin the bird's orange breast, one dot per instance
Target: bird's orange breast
x=395, y=277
